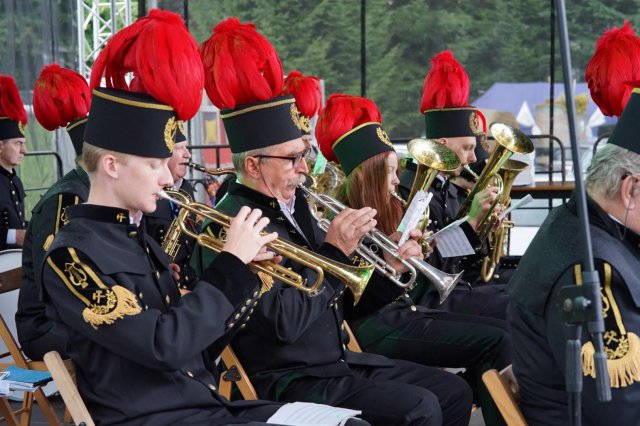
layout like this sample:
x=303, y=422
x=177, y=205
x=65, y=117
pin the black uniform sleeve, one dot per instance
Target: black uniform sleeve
x=108, y=310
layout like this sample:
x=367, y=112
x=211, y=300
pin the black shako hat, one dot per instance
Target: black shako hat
x=625, y=134
x=131, y=123
x=262, y=124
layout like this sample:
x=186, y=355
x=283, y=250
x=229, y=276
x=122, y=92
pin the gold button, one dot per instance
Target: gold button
x=243, y=309
x=243, y=326
x=133, y=234
x=167, y=299
x=231, y=324
x=157, y=275
x=146, y=307
x=189, y=373
x=140, y=295
x=251, y=311
x=256, y=293
x=212, y=387
x=236, y=317
x=331, y=305
x=248, y=302
x=413, y=308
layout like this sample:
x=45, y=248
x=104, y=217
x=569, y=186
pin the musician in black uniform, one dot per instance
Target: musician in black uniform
x=158, y=222
x=459, y=126
x=292, y=348
x=13, y=118
x=555, y=259
x=137, y=344
x=386, y=321
x=68, y=94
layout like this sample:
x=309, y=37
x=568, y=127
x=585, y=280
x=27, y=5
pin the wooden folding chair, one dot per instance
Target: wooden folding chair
x=504, y=390
x=10, y=279
x=60, y=371
x=235, y=374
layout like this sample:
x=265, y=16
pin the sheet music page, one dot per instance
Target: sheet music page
x=413, y=214
x=310, y=414
x=452, y=241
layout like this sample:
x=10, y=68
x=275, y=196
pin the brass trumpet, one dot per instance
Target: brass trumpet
x=354, y=277
x=213, y=172
x=443, y=282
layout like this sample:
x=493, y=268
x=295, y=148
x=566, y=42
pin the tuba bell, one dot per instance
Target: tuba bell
x=509, y=141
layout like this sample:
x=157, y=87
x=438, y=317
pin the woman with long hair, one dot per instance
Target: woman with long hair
x=386, y=321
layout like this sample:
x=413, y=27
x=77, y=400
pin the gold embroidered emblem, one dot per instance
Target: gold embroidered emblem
x=473, y=122
x=181, y=128
x=104, y=304
x=76, y=275
x=621, y=347
x=63, y=218
x=21, y=128
x=170, y=133
x=120, y=217
x=383, y=136
x=301, y=122
x=222, y=235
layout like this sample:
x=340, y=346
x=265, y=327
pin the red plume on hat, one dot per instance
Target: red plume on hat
x=60, y=96
x=341, y=114
x=614, y=68
x=241, y=66
x=306, y=91
x=446, y=84
x=10, y=102
x=164, y=58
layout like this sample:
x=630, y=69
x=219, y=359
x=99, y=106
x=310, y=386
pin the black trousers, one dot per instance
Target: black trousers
x=406, y=394
x=440, y=339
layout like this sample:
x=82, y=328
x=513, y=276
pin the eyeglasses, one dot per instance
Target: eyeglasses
x=295, y=159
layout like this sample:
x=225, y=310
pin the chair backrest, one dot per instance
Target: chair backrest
x=66, y=385
x=235, y=374
x=504, y=390
x=352, y=345
x=10, y=279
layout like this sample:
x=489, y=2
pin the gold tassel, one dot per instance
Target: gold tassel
x=623, y=371
x=47, y=242
x=126, y=304
x=267, y=282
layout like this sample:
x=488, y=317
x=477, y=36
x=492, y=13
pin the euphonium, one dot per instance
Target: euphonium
x=508, y=173
x=509, y=141
x=213, y=172
x=171, y=241
x=354, y=277
x=443, y=282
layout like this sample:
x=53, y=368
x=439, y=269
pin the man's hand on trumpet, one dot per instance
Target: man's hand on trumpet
x=348, y=227
x=410, y=248
x=244, y=239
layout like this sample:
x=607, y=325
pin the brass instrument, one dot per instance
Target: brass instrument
x=443, y=282
x=354, y=277
x=433, y=158
x=171, y=241
x=508, y=173
x=213, y=172
x=509, y=141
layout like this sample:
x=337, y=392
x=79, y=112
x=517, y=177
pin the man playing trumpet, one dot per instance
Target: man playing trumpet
x=292, y=346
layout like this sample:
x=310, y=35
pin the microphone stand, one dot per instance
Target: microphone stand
x=580, y=304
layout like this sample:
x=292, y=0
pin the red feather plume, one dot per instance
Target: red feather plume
x=241, y=66
x=159, y=50
x=341, y=114
x=446, y=84
x=11, y=105
x=60, y=96
x=306, y=91
x=614, y=68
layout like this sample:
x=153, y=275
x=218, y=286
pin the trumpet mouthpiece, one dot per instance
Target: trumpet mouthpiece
x=164, y=195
